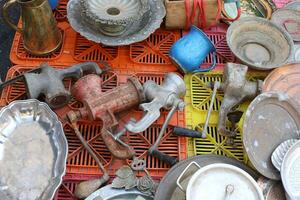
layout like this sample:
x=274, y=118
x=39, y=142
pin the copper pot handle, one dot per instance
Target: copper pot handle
x=6, y=17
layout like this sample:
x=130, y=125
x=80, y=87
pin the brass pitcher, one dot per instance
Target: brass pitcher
x=40, y=33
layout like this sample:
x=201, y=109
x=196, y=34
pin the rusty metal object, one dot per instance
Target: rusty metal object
x=285, y=79
x=48, y=82
x=168, y=96
x=272, y=190
x=104, y=106
x=84, y=189
x=40, y=33
x=236, y=89
x=271, y=119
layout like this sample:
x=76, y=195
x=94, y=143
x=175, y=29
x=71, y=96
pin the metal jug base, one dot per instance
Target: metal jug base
x=45, y=53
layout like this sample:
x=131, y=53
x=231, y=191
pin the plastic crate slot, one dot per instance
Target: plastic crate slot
x=202, y=94
x=60, y=12
x=158, y=79
x=66, y=190
x=153, y=50
x=86, y=50
x=223, y=52
x=216, y=144
x=77, y=155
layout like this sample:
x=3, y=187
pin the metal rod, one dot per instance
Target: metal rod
x=164, y=127
x=88, y=148
x=216, y=86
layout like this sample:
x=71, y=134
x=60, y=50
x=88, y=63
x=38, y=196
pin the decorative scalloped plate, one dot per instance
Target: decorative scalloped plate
x=138, y=31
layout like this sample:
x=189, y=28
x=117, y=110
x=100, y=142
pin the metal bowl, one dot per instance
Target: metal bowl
x=259, y=43
x=139, y=30
x=33, y=151
x=113, y=17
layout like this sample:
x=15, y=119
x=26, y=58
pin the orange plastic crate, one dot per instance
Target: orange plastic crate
x=150, y=55
x=79, y=161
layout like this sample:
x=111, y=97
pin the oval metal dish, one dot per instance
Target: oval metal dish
x=33, y=151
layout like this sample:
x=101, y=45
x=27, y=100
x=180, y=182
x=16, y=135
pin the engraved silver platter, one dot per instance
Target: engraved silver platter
x=111, y=35
x=33, y=151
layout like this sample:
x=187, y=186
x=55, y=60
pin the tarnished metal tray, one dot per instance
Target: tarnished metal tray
x=109, y=193
x=168, y=189
x=33, y=151
x=271, y=119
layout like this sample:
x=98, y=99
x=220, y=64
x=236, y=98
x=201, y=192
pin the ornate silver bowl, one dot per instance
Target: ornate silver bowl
x=115, y=22
x=113, y=17
x=33, y=151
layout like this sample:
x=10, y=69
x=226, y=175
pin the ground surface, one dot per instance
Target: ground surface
x=6, y=38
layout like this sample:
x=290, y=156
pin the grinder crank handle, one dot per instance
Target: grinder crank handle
x=84, y=189
x=117, y=149
x=78, y=70
x=179, y=131
x=163, y=157
x=154, y=148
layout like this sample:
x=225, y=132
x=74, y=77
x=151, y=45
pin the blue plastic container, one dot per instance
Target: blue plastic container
x=53, y=3
x=189, y=52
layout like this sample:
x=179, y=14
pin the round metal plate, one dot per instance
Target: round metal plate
x=284, y=79
x=289, y=19
x=271, y=119
x=168, y=189
x=290, y=171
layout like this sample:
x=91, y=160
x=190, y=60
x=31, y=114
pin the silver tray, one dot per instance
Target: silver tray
x=33, y=151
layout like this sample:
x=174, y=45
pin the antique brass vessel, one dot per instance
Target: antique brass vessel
x=39, y=27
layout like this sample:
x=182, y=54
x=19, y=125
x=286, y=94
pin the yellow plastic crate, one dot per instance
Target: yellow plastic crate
x=198, y=99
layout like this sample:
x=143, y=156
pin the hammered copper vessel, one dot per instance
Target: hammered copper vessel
x=285, y=79
x=40, y=33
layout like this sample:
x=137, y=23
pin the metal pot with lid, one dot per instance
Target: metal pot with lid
x=221, y=182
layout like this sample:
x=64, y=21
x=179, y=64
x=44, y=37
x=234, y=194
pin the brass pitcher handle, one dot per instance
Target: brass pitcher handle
x=6, y=18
